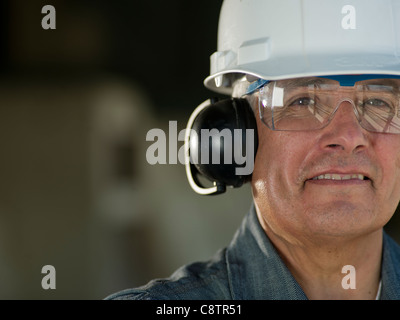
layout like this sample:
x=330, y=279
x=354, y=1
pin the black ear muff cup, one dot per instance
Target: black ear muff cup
x=215, y=144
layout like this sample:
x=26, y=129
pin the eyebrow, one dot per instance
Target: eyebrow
x=390, y=84
x=385, y=82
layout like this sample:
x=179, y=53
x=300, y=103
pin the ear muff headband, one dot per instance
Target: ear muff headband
x=190, y=168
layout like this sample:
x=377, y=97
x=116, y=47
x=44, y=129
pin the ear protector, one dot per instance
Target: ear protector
x=217, y=134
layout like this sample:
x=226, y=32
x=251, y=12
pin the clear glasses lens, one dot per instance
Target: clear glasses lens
x=310, y=103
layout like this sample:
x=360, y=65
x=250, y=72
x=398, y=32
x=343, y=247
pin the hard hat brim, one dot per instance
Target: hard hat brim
x=291, y=67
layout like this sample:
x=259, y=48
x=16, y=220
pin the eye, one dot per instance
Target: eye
x=377, y=103
x=301, y=102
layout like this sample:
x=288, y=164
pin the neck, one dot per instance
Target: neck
x=330, y=268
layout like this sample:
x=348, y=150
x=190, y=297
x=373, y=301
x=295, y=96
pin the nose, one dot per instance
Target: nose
x=344, y=131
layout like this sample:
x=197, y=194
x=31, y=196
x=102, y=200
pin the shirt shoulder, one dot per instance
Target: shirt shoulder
x=206, y=280
x=393, y=247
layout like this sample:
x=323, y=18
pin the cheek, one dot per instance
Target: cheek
x=275, y=193
x=388, y=152
x=277, y=165
x=266, y=174
x=393, y=175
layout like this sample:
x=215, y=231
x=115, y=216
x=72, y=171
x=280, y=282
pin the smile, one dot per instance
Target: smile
x=336, y=176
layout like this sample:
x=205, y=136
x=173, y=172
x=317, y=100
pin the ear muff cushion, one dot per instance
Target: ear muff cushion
x=217, y=122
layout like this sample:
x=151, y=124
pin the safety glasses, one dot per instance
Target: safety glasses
x=305, y=104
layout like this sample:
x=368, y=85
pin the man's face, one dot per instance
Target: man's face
x=359, y=178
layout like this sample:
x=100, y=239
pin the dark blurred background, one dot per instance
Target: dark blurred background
x=76, y=104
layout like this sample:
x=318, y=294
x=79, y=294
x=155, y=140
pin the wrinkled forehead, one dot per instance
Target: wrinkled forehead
x=302, y=82
x=342, y=80
x=345, y=82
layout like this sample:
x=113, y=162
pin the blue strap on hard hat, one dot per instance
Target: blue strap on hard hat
x=256, y=85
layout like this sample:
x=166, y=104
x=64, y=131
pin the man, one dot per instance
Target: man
x=323, y=80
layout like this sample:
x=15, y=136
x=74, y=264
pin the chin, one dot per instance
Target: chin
x=341, y=220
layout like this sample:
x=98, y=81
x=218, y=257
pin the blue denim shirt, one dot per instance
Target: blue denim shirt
x=249, y=269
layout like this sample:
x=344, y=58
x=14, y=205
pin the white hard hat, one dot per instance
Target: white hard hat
x=280, y=39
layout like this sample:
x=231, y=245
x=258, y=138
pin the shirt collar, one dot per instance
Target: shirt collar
x=390, y=273
x=255, y=270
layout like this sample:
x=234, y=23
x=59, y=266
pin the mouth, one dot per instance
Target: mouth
x=340, y=177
